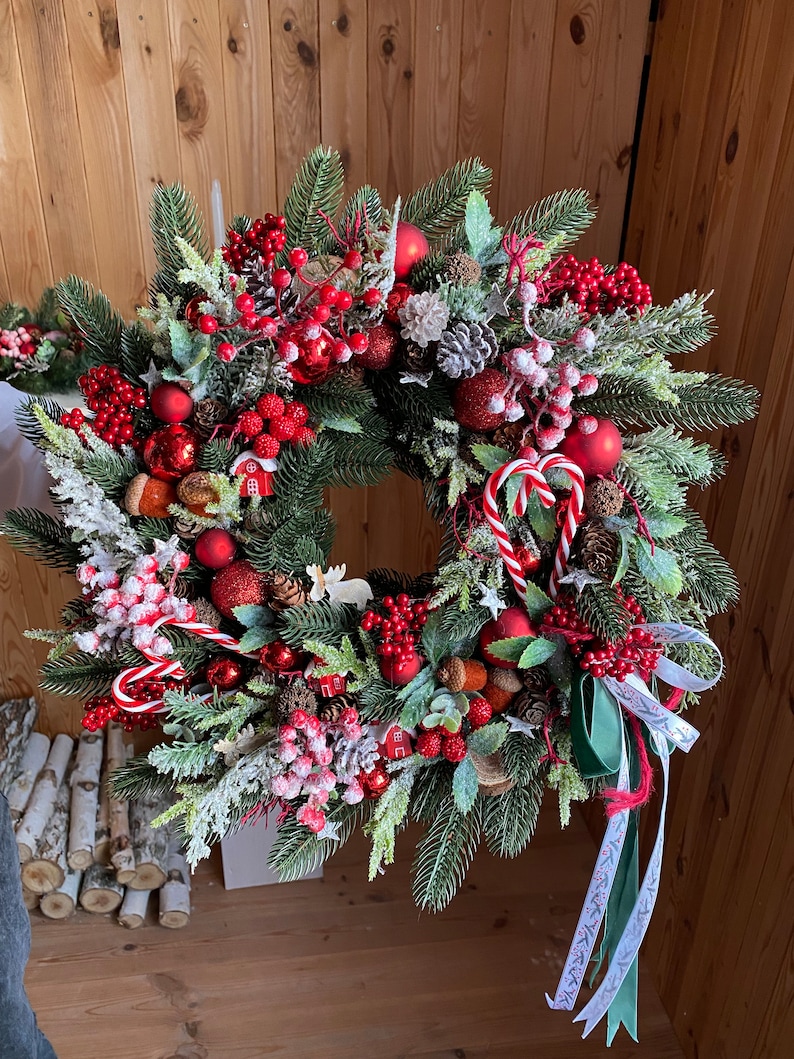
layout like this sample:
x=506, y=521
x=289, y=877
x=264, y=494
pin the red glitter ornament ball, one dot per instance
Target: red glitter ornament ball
x=396, y=299
x=238, y=584
x=412, y=246
x=596, y=453
x=511, y=622
x=215, y=548
x=476, y=400
x=279, y=657
x=374, y=782
x=382, y=348
x=225, y=672
x=171, y=452
x=170, y=403
x=314, y=363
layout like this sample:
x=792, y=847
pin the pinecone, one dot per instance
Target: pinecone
x=505, y=679
x=603, y=498
x=197, y=489
x=331, y=709
x=424, y=317
x=186, y=528
x=183, y=588
x=510, y=436
x=257, y=282
x=536, y=679
x=452, y=674
x=208, y=414
x=284, y=592
x=415, y=359
x=598, y=548
x=466, y=349
x=295, y=697
x=207, y=613
x=257, y=520
x=351, y=370
x=462, y=269
x=531, y=706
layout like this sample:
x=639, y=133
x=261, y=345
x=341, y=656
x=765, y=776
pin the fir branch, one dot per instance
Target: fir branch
x=657, y=466
x=216, y=456
x=461, y=626
x=174, y=213
x=360, y=459
x=521, y=758
x=93, y=316
x=444, y=854
x=137, y=344
x=432, y=788
x=602, y=609
x=138, y=778
x=439, y=207
x=182, y=760
x=28, y=421
x=560, y=218
x=318, y=185
x=509, y=820
x=79, y=674
x=378, y=702
x=364, y=205
x=708, y=578
x=426, y=272
x=111, y=471
x=42, y=536
x=296, y=851
x=336, y=397
x=324, y=621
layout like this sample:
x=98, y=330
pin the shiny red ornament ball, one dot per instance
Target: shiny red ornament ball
x=215, y=548
x=279, y=657
x=170, y=403
x=596, y=453
x=400, y=671
x=238, y=584
x=314, y=363
x=172, y=452
x=225, y=673
x=374, y=782
x=396, y=299
x=193, y=310
x=530, y=561
x=511, y=622
x=475, y=400
x=412, y=246
x=381, y=350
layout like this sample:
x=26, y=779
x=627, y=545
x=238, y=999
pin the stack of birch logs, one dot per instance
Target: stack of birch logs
x=76, y=844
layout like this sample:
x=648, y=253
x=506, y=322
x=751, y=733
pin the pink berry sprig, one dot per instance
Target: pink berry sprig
x=400, y=630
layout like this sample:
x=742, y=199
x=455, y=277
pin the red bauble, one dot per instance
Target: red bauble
x=596, y=453
x=396, y=299
x=412, y=246
x=375, y=782
x=238, y=584
x=170, y=403
x=511, y=622
x=215, y=548
x=314, y=363
x=193, y=310
x=225, y=673
x=530, y=561
x=279, y=657
x=382, y=348
x=400, y=672
x=171, y=452
x=472, y=399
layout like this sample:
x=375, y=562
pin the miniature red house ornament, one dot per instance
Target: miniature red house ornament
x=256, y=474
x=329, y=685
x=396, y=743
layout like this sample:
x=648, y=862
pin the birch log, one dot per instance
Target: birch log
x=42, y=798
x=30, y=899
x=102, y=832
x=122, y=857
x=132, y=913
x=85, y=800
x=150, y=843
x=175, y=891
x=62, y=903
x=100, y=891
x=38, y=746
x=46, y=869
x=17, y=717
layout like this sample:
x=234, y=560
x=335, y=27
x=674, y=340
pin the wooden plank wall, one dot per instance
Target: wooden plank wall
x=713, y=207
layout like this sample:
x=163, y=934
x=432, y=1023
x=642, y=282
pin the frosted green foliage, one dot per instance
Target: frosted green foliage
x=390, y=814
x=344, y=660
x=160, y=315
x=456, y=579
x=212, y=277
x=464, y=303
x=658, y=466
x=565, y=778
x=439, y=449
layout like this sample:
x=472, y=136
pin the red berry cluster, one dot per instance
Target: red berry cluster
x=114, y=401
x=264, y=239
x=397, y=631
x=437, y=741
x=100, y=709
x=248, y=320
x=286, y=421
x=594, y=290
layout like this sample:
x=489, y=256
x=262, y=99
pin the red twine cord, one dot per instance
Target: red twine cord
x=551, y=754
x=617, y=800
x=642, y=525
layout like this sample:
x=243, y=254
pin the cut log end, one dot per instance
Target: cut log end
x=147, y=877
x=42, y=876
x=30, y=899
x=80, y=859
x=174, y=919
x=57, y=905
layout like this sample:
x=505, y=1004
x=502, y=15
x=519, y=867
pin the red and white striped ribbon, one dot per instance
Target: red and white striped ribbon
x=533, y=479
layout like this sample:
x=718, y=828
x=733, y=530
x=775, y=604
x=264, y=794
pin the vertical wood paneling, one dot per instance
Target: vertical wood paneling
x=436, y=88
x=343, y=84
x=95, y=52
x=248, y=92
x=390, y=96
x=23, y=237
x=49, y=94
x=296, y=85
x=149, y=87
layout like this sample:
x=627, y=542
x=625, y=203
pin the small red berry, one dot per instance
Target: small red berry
x=428, y=744
x=244, y=303
x=250, y=424
x=281, y=278
x=266, y=447
x=344, y=301
x=283, y=428
x=372, y=297
x=353, y=260
x=480, y=712
x=269, y=405
x=298, y=411
x=328, y=294
x=226, y=352
x=207, y=324
x=454, y=748
x=358, y=342
x=249, y=321
x=298, y=257
x=304, y=436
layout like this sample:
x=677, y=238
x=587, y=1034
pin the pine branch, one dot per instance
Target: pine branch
x=110, y=470
x=440, y=206
x=444, y=855
x=302, y=539
x=413, y=406
x=708, y=578
x=79, y=674
x=425, y=273
x=463, y=625
x=136, y=352
x=701, y=404
x=657, y=467
x=561, y=217
x=338, y=396
x=360, y=459
x=93, y=316
x=378, y=702
x=433, y=787
x=509, y=820
x=181, y=760
x=324, y=621
x=318, y=185
x=364, y=204
x=601, y=608
x=27, y=422
x=42, y=536
x=521, y=758
x=296, y=851
x=138, y=778
x=217, y=456
x=173, y=213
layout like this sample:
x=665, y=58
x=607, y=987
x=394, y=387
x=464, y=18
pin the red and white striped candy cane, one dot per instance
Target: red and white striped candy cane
x=533, y=478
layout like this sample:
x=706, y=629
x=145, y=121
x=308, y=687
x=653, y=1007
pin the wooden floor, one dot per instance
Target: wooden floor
x=337, y=969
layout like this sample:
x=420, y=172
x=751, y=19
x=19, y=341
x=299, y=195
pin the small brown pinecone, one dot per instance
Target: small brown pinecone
x=284, y=592
x=598, y=548
x=257, y=520
x=510, y=436
x=208, y=414
x=186, y=528
x=531, y=706
x=461, y=269
x=452, y=674
x=183, y=588
x=295, y=697
x=414, y=358
x=331, y=709
x=536, y=679
x=350, y=370
x=603, y=498
x=207, y=613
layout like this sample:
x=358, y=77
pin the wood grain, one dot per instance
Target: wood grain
x=436, y=88
x=343, y=84
x=390, y=96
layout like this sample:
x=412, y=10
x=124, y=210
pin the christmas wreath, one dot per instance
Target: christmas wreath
x=532, y=394
x=40, y=351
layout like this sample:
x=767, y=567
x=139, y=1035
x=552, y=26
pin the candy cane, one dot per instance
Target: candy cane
x=533, y=479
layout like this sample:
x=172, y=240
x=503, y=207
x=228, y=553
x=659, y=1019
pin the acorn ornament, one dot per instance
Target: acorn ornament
x=149, y=496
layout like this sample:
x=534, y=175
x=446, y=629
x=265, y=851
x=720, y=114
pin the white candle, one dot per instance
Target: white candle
x=218, y=227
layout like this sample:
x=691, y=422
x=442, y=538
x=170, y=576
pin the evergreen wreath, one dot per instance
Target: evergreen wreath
x=40, y=351
x=531, y=393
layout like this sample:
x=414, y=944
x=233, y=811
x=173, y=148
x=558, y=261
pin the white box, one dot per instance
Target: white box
x=245, y=854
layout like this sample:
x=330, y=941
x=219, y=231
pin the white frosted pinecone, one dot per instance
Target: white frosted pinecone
x=466, y=349
x=352, y=756
x=424, y=317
